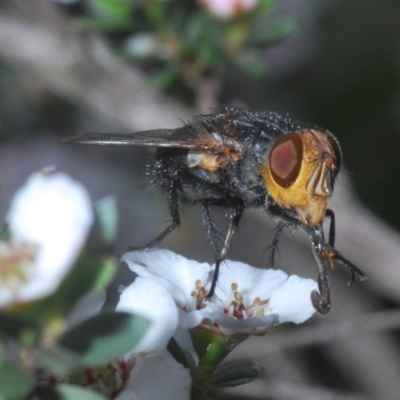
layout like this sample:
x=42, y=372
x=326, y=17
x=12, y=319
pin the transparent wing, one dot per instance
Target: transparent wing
x=185, y=138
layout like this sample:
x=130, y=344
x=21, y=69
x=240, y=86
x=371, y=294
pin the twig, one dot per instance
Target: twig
x=326, y=333
x=37, y=39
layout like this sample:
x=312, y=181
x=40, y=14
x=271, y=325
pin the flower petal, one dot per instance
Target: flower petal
x=292, y=301
x=176, y=273
x=147, y=298
x=251, y=282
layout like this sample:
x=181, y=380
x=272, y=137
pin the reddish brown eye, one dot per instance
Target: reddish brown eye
x=285, y=159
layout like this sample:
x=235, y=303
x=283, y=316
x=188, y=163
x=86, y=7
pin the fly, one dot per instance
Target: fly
x=235, y=159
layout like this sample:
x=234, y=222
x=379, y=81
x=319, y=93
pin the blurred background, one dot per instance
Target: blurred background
x=104, y=65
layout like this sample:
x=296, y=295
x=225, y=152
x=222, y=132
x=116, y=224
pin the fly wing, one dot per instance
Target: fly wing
x=186, y=137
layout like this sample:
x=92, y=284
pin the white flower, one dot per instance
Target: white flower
x=227, y=9
x=249, y=300
x=148, y=298
x=157, y=378
x=184, y=279
x=246, y=299
x=49, y=219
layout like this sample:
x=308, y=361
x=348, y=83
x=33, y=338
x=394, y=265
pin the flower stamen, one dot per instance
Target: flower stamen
x=15, y=264
x=200, y=294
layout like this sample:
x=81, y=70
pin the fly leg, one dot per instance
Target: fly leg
x=173, y=203
x=273, y=247
x=212, y=233
x=332, y=226
x=332, y=255
x=354, y=271
x=321, y=300
x=284, y=218
x=235, y=219
x=336, y=256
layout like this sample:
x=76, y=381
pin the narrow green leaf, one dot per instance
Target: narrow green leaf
x=236, y=374
x=90, y=273
x=94, y=24
x=109, y=8
x=211, y=348
x=182, y=356
x=163, y=79
x=104, y=337
x=5, y=232
x=272, y=32
x=266, y=6
x=57, y=360
x=252, y=64
x=67, y=392
x=15, y=382
x=155, y=12
x=71, y=392
x=106, y=219
x=107, y=15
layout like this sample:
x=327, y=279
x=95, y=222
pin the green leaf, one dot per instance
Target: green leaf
x=164, y=78
x=272, y=32
x=71, y=392
x=94, y=24
x=211, y=348
x=59, y=361
x=25, y=330
x=15, y=382
x=108, y=15
x=90, y=273
x=204, y=39
x=266, y=6
x=67, y=392
x=156, y=13
x=236, y=374
x=110, y=9
x=182, y=356
x=5, y=232
x=104, y=337
x=252, y=64
x=106, y=218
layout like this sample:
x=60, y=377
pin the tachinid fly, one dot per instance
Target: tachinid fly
x=236, y=158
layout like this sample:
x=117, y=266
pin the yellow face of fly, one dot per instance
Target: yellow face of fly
x=300, y=171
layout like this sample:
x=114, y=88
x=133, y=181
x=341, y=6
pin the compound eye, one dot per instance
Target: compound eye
x=285, y=159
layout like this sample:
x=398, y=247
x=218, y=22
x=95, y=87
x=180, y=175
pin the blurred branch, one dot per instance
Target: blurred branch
x=323, y=334
x=37, y=39
x=367, y=241
x=284, y=390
